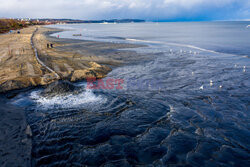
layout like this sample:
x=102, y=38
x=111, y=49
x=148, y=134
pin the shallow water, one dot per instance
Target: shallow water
x=188, y=105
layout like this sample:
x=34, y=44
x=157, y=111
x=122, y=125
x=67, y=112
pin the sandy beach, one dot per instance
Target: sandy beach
x=69, y=59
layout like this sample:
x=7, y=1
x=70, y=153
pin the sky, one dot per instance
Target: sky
x=150, y=10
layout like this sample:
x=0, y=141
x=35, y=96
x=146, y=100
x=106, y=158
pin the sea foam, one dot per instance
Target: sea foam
x=84, y=100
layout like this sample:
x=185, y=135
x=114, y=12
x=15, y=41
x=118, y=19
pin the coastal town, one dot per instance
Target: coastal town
x=10, y=24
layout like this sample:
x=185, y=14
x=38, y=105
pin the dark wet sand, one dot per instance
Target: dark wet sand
x=15, y=137
x=105, y=53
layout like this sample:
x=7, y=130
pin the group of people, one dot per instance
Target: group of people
x=50, y=45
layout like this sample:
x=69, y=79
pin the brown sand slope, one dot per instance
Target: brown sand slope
x=18, y=65
x=67, y=63
x=20, y=68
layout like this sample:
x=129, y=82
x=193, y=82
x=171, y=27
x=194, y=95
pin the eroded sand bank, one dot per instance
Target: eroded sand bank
x=20, y=68
x=71, y=60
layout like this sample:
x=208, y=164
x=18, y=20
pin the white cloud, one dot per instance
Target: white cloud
x=145, y=9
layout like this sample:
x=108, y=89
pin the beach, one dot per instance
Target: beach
x=183, y=101
x=71, y=60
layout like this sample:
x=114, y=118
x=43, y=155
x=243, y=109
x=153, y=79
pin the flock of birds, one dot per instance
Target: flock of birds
x=182, y=51
x=211, y=81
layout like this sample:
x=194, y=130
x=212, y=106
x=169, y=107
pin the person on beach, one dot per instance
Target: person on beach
x=51, y=45
x=47, y=45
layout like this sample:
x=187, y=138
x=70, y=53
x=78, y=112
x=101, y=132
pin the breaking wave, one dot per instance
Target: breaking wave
x=85, y=99
x=173, y=44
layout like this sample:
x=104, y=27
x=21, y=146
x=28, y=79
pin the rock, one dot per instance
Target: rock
x=82, y=74
x=130, y=102
x=59, y=88
x=96, y=71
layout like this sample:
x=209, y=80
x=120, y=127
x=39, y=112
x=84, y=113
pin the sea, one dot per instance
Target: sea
x=186, y=105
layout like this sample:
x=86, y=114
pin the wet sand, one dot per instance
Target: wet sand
x=15, y=137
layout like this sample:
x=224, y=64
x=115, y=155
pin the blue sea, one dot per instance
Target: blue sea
x=188, y=104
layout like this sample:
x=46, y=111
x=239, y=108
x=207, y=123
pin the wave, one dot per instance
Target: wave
x=173, y=44
x=108, y=23
x=86, y=100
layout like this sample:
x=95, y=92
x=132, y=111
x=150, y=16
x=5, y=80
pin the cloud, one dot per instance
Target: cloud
x=143, y=9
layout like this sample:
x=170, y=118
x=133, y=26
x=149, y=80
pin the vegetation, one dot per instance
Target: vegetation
x=9, y=24
x=12, y=24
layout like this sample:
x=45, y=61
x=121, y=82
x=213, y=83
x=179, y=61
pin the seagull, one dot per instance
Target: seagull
x=170, y=50
x=244, y=69
x=202, y=87
x=211, y=83
x=235, y=65
x=220, y=86
x=190, y=51
x=192, y=73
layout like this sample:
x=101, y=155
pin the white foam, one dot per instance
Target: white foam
x=85, y=99
x=173, y=44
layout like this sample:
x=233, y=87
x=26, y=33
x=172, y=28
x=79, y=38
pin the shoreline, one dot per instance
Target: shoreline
x=71, y=59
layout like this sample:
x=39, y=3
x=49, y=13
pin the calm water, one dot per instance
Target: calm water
x=187, y=106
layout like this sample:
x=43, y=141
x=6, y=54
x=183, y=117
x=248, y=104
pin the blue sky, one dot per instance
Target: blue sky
x=151, y=10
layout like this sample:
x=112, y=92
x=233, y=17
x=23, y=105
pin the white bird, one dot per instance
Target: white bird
x=235, y=65
x=211, y=83
x=244, y=69
x=202, y=87
x=181, y=51
x=220, y=86
x=192, y=73
x=170, y=50
x=190, y=51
